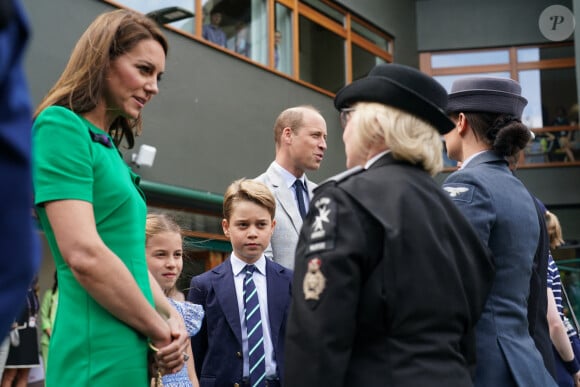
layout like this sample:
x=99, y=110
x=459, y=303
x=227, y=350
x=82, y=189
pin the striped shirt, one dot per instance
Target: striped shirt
x=555, y=283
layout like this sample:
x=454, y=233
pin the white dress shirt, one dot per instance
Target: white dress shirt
x=261, y=286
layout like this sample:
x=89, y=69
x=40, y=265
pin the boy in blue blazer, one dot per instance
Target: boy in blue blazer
x=246, y=298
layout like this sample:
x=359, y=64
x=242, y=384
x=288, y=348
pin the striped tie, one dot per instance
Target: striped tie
x=256, y=357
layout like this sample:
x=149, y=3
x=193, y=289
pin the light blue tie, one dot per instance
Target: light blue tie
x=256, y=356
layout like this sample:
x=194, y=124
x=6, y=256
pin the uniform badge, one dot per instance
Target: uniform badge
x=322, y=228
x=314, y=280
x=459, y=191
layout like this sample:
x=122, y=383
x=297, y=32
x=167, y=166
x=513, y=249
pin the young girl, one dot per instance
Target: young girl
x=165, y=261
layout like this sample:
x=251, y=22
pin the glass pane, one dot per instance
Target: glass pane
x=241, y=27
x=447, y=80
x=552, y=97
x=184, y=13
x=322, y=57
x=283, y=40
x=533, y=54
x=363, y=61
x=532, y=91
x=370, y=35
x=528, y=54
x=326, y=10
x=470, y=59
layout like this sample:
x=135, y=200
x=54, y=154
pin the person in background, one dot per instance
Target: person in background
x=92, y=211
x=48, y=309
x=554, y=230
x=241, y=40
x=277, y=41
x=164, y=249
x=212, y=32
x=17, y=226
x=24, y=355
x=246, y=298
x=564, y=336
x=390, y=277
x=300, y=138
x=488, y=129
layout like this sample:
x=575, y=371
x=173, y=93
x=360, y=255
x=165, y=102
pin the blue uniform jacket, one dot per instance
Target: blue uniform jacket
x=504, y=215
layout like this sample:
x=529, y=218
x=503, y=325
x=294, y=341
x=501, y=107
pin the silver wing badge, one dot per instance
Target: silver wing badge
x=455, y=191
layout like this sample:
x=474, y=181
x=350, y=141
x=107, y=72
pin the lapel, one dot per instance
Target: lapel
x=285, y=197
x=277, y=299
x=225, y=290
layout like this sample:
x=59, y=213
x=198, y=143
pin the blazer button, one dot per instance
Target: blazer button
x=239, y=355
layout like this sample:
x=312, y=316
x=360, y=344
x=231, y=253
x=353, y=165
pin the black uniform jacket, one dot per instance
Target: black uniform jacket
x=390, y=280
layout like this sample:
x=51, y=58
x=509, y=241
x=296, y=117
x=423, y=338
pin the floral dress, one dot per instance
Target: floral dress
x=192, y=315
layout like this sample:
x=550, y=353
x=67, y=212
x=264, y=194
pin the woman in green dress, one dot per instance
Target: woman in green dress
x=93, y=212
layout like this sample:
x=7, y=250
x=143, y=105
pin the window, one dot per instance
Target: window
x=283, y=42
x=548, y=79
x=322, y=59
x=296, y=39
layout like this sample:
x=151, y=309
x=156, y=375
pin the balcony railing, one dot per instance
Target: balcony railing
x=553, y=146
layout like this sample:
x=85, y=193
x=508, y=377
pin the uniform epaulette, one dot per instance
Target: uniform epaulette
x=341, y=176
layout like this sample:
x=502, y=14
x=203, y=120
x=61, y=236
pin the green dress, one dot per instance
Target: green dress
x=73, y=159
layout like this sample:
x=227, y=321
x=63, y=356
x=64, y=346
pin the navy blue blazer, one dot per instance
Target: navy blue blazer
x=217, y=348
x=503, y=213
x=20, y=258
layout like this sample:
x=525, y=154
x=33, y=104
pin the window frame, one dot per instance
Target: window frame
x=513, y=68
x=298, y=9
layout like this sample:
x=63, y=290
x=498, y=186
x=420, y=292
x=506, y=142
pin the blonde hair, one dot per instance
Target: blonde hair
x=157, y=224
x=248, y=190
x=292, y=118
x=554, y=230
x=81, y=85
x=409, y=138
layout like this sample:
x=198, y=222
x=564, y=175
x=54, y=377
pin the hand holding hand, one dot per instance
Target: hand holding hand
x=171, y=357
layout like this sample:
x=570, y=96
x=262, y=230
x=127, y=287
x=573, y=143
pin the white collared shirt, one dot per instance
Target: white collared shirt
x=289, y=180
x=261, y=286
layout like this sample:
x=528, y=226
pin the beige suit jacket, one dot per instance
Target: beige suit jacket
x=288, y=221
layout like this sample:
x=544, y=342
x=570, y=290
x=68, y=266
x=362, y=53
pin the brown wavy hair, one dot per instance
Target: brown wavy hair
x=81, y=85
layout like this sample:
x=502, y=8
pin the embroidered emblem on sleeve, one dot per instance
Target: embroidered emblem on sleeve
x=459, y=192
x=314, y=280
x=454, y=191
x=322, y=228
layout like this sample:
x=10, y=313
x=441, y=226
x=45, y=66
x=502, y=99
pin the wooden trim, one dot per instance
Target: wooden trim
x=558, y=128
x=513, y=64
x=320, y=19
x=546, y=64
x=287, y=3
x=348, y=50
x=198, y=18
x=271, y=32
x=214, y=259
x=364, y=43
x=295, y=42
x=425, y=63
x=471, y=69
x=205, y=235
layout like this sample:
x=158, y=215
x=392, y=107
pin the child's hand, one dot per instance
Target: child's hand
x=172, y=357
